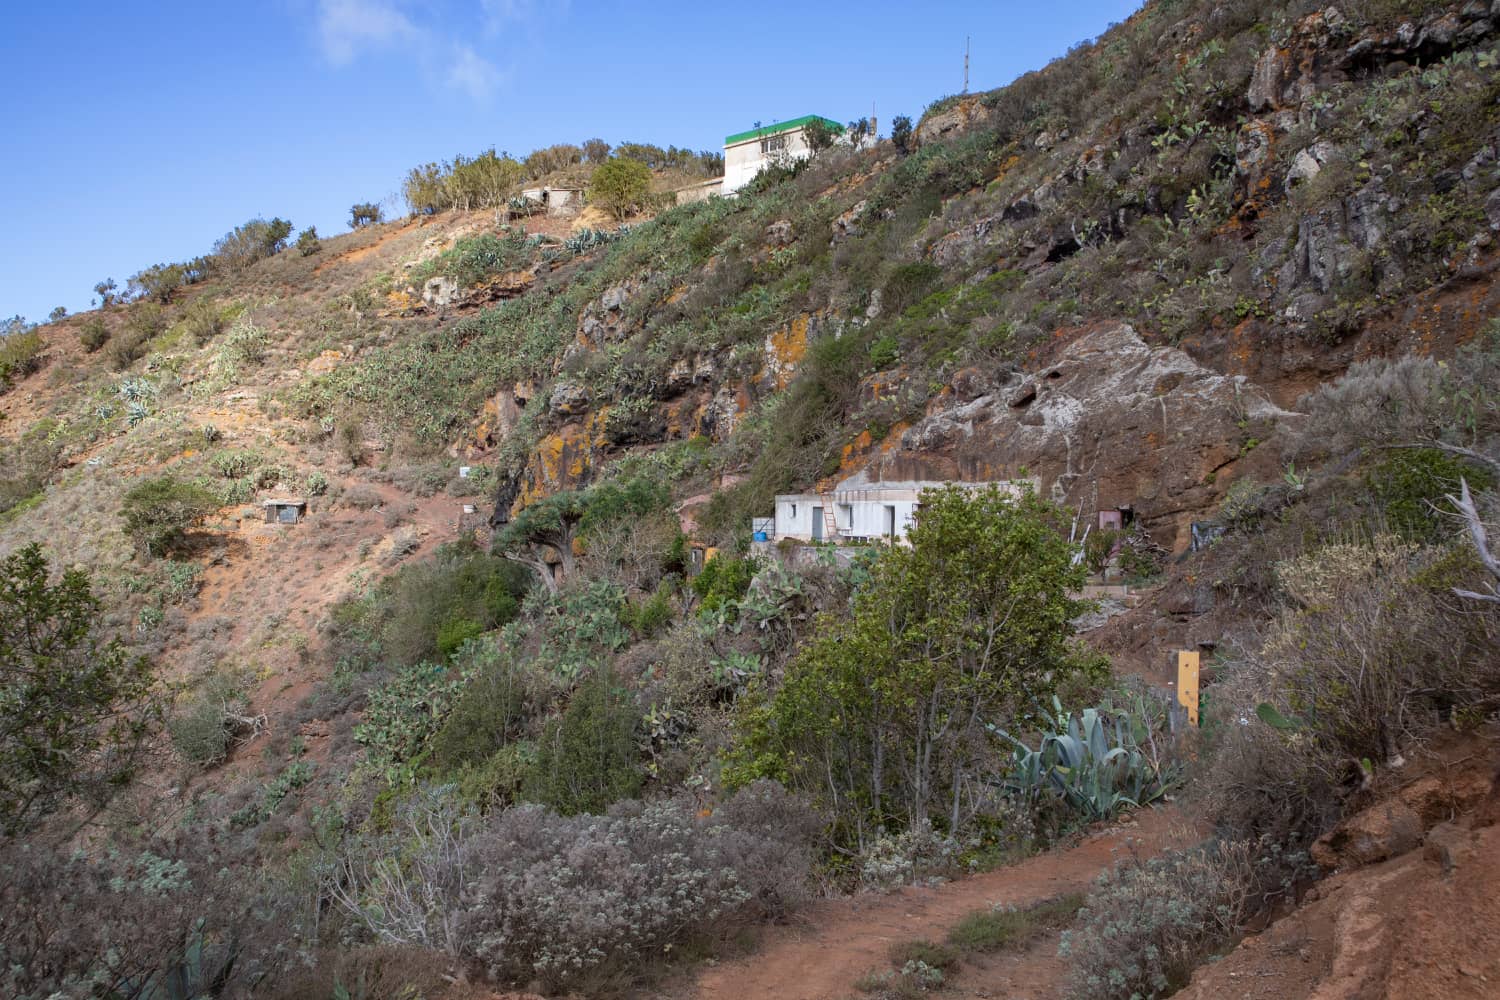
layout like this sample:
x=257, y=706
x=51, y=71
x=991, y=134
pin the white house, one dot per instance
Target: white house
x=863, y=512
x=747, y=153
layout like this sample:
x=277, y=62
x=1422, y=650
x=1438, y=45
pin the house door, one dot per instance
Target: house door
x=890, y=521
x=817, y=518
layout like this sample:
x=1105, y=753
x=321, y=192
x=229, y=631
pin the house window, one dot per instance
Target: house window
x=774, y=144
x=794, y=510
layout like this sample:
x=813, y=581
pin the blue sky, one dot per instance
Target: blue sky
x=141, y=133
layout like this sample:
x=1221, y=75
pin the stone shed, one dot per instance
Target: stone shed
x=284, y=510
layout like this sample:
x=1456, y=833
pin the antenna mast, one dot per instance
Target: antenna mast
x=966, y=64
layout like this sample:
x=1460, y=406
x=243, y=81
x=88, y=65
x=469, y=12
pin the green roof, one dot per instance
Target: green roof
x=779, y=127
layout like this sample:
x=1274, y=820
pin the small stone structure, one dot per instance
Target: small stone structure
x=558, y=201
x=284, y=510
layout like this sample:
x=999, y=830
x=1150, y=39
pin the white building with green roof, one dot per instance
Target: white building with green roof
x=748, y=153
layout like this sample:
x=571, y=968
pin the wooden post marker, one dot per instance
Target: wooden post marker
x=1187, y=682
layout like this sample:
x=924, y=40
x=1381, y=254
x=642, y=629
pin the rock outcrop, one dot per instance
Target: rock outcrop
x=1110, y=421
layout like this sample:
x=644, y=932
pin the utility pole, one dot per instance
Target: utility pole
x=966, y=64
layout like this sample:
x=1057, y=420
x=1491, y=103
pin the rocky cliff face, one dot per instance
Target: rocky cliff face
x=1104, y=420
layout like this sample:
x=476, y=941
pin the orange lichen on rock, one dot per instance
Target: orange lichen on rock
x=786, y=346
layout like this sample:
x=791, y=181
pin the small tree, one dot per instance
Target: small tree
x=158, y=282
x=364, y=213
x=596, y=151
x=158, y=512
x=901, y=133
x=93, y=334
x=74, y=708
x=891, y=716
x=621, y=186
x=20, y=349
x=308, y=242
x=820, y=135
x=60, y=312
x=106, y=291
x=588, y=759
x=547, y=526
x=253, y=241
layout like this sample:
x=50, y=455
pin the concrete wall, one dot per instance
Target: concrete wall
x=744, y=160
x=802, y=517
x=867, y=511
x=794, y=516
x=699, y=192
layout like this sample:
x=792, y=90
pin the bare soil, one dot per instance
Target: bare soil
x=834, y=943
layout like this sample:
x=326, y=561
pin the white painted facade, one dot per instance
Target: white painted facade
x=864, y=512
x=748, y=153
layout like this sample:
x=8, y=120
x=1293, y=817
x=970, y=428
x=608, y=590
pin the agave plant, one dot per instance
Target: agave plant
x=1093, y=762
x=133, y=390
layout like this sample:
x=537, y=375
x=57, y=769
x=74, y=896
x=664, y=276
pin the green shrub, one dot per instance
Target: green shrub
x=308, y=242
x=1369, y=658
x=489, y=713
x=935, y=956
x=1008, y=928
x=724, y=580
x=454, y=632
x=201, y=730
x=316, y=483
x=234, y=464
x=459, y=582
x=20, y=351
x=144, y=321
x=907, y=286
x=403, y=714
x=650, y=616
x=253, y=241
x=821, y=135
x=496, y=781
x=203, y=320
x=588, y=759
x=1148, y=923
x=475, y=258
x=93, y=334
x=158, y=512
x=620, y=186
x=26, y=464
x=1412, y=486
x=1098, y=548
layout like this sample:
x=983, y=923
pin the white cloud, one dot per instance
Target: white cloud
x=349, y=29
x=472, y=74
x=500, y=15
x=345, y=27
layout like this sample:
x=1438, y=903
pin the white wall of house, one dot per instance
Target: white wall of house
x=870, y=510
x=794, y=516
x=743, y=160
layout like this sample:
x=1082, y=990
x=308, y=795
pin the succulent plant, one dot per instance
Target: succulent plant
x=1093, y=762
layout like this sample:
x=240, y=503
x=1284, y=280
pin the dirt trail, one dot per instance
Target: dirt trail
x=838, y=941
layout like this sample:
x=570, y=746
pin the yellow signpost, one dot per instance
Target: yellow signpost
x=1187, y=682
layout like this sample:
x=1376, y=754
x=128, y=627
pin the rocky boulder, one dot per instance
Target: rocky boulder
x=441, y=292
x=569, y=398
x=952, y=121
